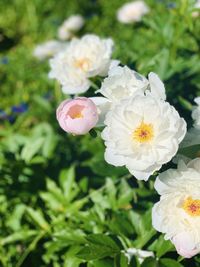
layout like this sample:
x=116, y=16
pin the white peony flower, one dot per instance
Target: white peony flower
x=83, y=58
x=132, y=12
x=48, y=49
x=122, y=82
x=196, y=113
x=140, y=254
x=177, y=214
x=142, y=133
x=72, y=24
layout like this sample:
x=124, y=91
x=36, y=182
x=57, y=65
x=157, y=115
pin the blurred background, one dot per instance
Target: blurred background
x=43, y=223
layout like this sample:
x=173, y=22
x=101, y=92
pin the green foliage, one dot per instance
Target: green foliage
x=61, y=204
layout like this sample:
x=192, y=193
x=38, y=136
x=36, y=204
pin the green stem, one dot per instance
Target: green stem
x=57, y=92
x=93, y=85
x=30, y=248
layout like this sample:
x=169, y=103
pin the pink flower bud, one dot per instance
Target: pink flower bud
x=77, y=116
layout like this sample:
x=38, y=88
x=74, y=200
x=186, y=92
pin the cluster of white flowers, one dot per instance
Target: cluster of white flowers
x=142, y=131
x=65, y=32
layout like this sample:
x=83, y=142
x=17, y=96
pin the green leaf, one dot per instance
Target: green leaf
x=55, y=191
x=99, y=246
x=161, y=246
x=185, y=103
x=66, y=180
x=105, y=240
x=125, y=194
x=149, y=262
x=49, y=145
x=93, y=133
x=169, y=263
x=31, y=148
x=51, y=201
x=101, y=263
x=70, y=260
x=38, y=218
x=40, y=101
x=18, y=236
x=121, y=260
x=14, y=220
x=111, y=192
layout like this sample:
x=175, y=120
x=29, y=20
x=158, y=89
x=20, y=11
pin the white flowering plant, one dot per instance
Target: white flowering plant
x=100, y=133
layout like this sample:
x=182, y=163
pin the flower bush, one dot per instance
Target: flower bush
x=99, y=164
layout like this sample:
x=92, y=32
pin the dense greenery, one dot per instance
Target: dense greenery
x=60, y=203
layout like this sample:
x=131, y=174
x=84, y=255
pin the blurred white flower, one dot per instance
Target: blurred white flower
x=197, y=5
x=132, y=12
x=122, y=82
x=72, y=24
x=140, y=254
x=83, y=58
x=196, y=113
x=142, y=133
x=177, y=214
x=48, y=49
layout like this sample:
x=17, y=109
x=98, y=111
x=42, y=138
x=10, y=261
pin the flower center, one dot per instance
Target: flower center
x=144, y=133
x=82, y=63
x=192, y=206
x=75, y=112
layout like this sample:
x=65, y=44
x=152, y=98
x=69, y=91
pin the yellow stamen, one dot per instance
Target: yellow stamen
x=144, y=133
x=77, y=116
x=75, y=112
x=192, y=206
x=82, y=64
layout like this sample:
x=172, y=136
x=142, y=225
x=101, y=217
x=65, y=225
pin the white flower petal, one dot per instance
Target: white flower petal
x=156, y=85
x=103, y=106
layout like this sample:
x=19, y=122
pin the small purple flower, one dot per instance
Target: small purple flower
x=23, y=107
